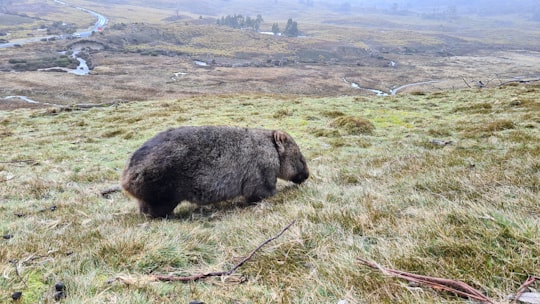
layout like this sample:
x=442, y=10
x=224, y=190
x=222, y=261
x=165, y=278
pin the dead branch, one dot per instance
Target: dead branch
x=86, y=106
x=95, y=105
x=519, y=81
x=110, y=190
x=456, y=287
x=26, y=161
x=15, y=264
x=466, y=82
x=524, y=287
x=168, y=278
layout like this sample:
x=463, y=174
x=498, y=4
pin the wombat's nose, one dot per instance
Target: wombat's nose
x=300, y=178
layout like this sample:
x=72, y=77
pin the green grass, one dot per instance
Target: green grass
x=466, y=211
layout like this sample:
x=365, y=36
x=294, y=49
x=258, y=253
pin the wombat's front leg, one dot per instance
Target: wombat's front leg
x=259, y=195
x=156, y=210
x=262, y=190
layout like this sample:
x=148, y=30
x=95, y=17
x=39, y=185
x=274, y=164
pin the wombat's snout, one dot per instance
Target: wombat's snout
x=300, y=178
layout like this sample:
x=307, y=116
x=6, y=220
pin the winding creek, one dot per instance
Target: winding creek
x=98, y=26
x=391, y=91
x=28, y=100
x=82, y=68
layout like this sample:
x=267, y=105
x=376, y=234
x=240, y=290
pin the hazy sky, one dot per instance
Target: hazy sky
x=477, y=6
x=415, y=3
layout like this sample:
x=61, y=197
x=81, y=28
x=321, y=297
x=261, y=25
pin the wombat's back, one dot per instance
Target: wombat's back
x=199, y=164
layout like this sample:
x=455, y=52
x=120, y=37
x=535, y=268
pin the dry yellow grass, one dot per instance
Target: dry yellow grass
x=446, y=183
x=467, y=210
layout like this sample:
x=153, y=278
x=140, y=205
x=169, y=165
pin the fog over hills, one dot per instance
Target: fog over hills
x=481, y=7
x=526, y=8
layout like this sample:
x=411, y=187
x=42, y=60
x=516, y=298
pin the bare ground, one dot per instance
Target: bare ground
x=126, y=68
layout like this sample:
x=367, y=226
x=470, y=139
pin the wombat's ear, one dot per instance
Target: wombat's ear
x=280, y=138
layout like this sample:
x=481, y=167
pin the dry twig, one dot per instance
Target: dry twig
x=18, y=161
x=519, y=81
x=468, y=85
x=457, y=287
x=220, y=273
x=110, y=190
x=525, y=285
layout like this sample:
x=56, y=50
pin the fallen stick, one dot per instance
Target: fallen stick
x=519, y=81
x=453, y=286
x=110, y=190
x=168, y=278
x=523, y=287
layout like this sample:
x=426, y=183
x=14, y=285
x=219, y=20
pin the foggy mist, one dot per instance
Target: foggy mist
x=475, y=6
x=526, y=9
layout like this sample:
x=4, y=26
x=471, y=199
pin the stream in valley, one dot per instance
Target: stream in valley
x=391, y=91
x=96, y=27
x=81, y=70
x=28, y=100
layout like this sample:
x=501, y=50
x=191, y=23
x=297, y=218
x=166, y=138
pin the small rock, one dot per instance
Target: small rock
x=441, y=142
x=529, y=297
x=7, y=236
x=59, y=286
x=16, y=295
x=515, y=102
x=52, y=208
x=413, y=284
x=196, y=302
x=59, y=295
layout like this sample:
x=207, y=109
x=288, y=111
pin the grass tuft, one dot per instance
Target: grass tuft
x=282, y=113
x=325, y=133
x=353, y=125
x=333, y=114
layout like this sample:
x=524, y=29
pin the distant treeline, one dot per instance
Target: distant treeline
x=241, y=22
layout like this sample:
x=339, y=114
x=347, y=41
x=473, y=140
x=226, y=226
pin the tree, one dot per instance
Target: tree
x=258, y=22
x=291, y=30
x=275, y=28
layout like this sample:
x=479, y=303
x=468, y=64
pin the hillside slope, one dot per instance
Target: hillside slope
x=447, y=184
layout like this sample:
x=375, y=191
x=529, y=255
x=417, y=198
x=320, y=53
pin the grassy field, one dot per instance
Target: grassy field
x=145, y=47
x=467, y=210
x=439, y=180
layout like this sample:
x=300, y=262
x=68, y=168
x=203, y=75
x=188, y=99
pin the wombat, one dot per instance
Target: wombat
x=209, y=164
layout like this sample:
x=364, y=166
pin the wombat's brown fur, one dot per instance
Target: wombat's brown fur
x=209, y=164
